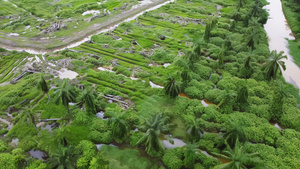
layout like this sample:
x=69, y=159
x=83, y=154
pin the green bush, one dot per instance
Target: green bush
x=3, y=146
x=214, y=78
x=162, y=55
x=172, y=158
x=193, y=92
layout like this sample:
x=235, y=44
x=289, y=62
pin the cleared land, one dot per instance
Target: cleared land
x=61, y=23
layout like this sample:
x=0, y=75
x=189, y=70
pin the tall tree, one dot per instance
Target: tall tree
x=87, y=99
x=234, y=131
x=42, y=85
x=194, y=131
x=154, y=127
x=119, y=125
x=274, y=64
x=171, y=87
x=239, y=158
x=27, y=115
x=64, y=93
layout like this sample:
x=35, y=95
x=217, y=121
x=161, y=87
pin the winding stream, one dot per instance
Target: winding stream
x=279, y=33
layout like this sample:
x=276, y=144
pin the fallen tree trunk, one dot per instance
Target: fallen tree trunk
x=46, y=120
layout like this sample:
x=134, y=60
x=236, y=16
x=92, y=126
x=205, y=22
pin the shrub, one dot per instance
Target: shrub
x=93, y=61
x=172, y=158
x=3, y=146
x=214, y=78
x=161, y=55
x=104, y=137
x=193, y=92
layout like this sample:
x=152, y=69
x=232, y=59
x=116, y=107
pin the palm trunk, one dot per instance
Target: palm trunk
x=68, y=109
x=37, y=130
x=48, y=97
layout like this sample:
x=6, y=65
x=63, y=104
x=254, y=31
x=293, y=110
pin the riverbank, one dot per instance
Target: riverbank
x=42, y=45
x=293, y=17
x=279, y=40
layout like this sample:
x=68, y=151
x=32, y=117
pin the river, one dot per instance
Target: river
x=279, y=32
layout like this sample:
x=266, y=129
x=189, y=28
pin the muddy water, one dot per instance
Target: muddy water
x=177, y=143
x=275, y=124
x=278, y=32
x=204, y=102
x=37, y=154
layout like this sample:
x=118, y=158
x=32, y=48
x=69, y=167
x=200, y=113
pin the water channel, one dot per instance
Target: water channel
x=279, y=32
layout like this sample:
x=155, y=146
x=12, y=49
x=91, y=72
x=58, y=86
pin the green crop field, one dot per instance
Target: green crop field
x=189, y=85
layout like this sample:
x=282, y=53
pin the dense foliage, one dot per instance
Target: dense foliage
x=224, y=103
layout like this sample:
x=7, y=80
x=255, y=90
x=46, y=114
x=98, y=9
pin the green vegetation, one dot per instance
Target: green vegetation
x=161, y=91
x=291, y=12
x=36, y=15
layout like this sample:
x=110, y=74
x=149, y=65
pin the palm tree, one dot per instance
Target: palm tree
x=63, y=158
x=119, y=125
x=236, y=15
x=227, y=43
x=42, y=85
x=274, y=64
x=192, y=57
x=239, y=158
x=27, y=116
x=252, y=38
x=171, y=87
x=185, y=78
x=64, y=93
x=247, y=71
x=241, y=3
x=197, y=46
x=227, y=101
x=242, y=96
x=60, y=137
x=87, y=99
x=221, y=54
x=280, y=92
x=190, y=155
x=194, y=131
x=256, y=9
x=234, y=131
x=210, y=24
x=254, y=24
x=154, y=127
